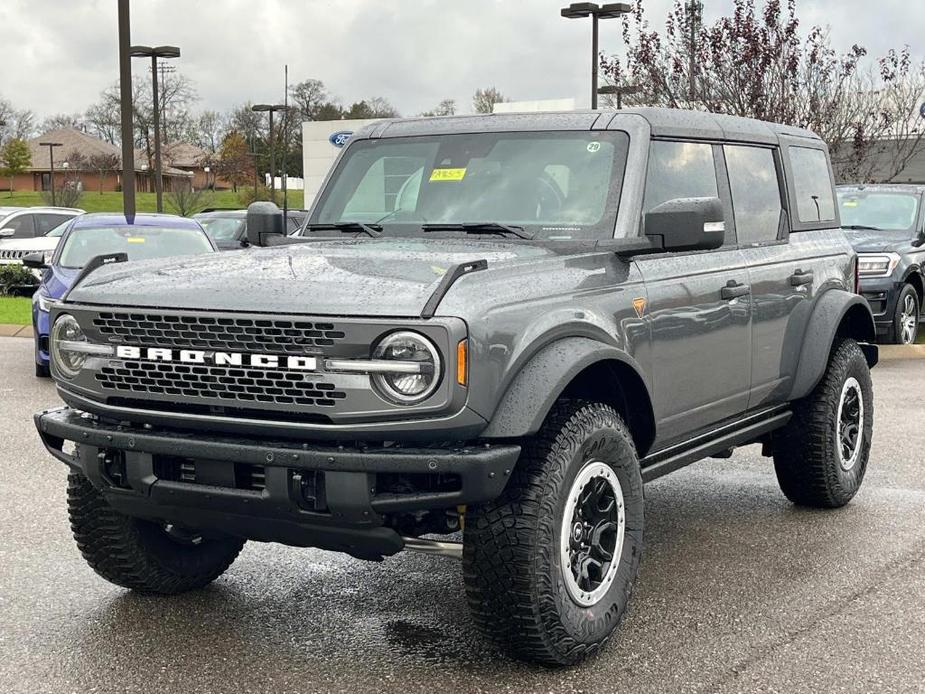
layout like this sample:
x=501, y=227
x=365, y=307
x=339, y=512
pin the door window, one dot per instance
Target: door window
x=812, y=184
x=679, y=170
x=46, y=222
x=22, y=226
x=756, y=200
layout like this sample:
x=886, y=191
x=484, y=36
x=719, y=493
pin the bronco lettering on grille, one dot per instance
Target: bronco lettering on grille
x=200, y=356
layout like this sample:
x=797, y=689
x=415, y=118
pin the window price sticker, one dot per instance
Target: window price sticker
x=447, y=174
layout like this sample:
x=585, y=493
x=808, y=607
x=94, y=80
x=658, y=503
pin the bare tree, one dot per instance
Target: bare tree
x=103, y=163
x=187, y=201
x=211, y=127
x=447, y=107
x=484, y=100
x=309, y=96
x=76, y=121
x=17, y=123
x=755, y=63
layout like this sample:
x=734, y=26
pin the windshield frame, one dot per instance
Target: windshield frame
x=907, y=232
x=62, y=244
x=544, y=231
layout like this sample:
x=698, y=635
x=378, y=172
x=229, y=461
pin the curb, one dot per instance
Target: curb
x=892, y=352
x=11, y=330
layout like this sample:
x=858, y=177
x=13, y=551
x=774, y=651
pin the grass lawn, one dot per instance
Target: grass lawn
x=16, y=310
x=92, y=201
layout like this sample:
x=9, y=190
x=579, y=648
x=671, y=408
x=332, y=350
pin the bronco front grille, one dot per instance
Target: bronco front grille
x=231, y=385
x=13, y=255
x=275, y=336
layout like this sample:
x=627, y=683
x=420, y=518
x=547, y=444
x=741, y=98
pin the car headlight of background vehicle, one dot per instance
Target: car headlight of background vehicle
x=421, y=367
x=877, y=264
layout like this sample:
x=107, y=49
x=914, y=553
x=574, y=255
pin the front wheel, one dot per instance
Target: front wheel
x=820, y=456
x=906, y=317
x=550, y=566
x=145, y=556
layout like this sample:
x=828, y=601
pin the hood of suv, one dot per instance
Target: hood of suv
x=870, y=241
x=355, y=277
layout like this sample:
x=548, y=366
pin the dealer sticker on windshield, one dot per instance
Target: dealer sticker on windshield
x=447, y=174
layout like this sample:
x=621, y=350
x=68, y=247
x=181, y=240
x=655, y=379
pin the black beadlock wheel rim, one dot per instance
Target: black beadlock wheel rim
x=850, y=427
x=592, y=532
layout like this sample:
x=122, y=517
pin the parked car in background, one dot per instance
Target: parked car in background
x=886, y=225
x=14, y=251
x=229, y=227
x=20, y=226
x=146, y=237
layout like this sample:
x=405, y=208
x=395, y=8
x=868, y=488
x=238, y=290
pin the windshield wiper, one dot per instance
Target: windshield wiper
x=861, y=227
x=373, y=230
x=479, y=228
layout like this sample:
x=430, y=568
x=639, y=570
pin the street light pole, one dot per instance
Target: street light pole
x=125, y=103
x=154, y=54
x=51, y=165
x=579, y=10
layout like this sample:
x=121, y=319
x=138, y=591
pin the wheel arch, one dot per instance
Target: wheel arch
x=914, y=277
x=837, y=314
x=576, y=367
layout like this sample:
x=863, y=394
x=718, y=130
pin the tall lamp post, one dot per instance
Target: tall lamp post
x=620, y=92
x=51, y=165
x=271, y=109
x=154, y=54
x=580, y=10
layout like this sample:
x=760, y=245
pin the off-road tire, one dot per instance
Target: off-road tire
x=907, y=295
x=42, y=370
x=806, y=451
x=138, y=554
x=511, y=555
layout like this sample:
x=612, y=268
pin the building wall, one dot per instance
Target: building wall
x=318, y=153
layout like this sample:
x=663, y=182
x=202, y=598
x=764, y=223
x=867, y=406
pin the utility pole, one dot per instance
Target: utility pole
x=694, y=10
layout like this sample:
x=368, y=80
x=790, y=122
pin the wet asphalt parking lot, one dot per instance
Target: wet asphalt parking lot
x=739, y=591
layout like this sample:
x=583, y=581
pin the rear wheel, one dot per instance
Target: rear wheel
x=550, y=565
x=906, y=317
x=142, y=555
x=821, y=455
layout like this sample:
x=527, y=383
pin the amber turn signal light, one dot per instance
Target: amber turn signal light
x=462, y=363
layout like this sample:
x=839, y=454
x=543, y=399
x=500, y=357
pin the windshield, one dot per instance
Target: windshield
x=891, y=211
x=59, y=230
x=139, y=243
x=555, y=185
x=221, y=228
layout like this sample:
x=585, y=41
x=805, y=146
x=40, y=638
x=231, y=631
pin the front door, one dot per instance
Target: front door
x=699, y=307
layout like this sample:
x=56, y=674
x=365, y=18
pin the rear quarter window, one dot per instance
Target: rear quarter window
x=815, y=198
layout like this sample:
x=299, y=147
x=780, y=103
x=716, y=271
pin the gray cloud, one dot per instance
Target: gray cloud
x=61, y=53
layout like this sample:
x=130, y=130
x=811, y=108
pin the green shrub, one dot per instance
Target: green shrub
x=16, y=277
x=248, y=195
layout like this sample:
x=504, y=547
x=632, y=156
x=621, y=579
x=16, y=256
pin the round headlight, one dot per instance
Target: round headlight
x=67, y=330
x=418, y=374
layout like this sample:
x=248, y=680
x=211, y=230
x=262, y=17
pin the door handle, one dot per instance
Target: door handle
x=733, y=290
x=801, y=277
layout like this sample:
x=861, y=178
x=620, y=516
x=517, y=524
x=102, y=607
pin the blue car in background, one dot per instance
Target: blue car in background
x=145, y=237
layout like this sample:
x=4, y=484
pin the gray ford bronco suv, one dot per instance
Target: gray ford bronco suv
x=499, y=326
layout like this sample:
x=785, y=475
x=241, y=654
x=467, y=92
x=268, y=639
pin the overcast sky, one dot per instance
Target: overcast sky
x=59, y=54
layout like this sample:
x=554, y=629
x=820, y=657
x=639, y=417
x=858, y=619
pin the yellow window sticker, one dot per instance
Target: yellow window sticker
x=135, y=239
x=447, y=174
x=850, y=203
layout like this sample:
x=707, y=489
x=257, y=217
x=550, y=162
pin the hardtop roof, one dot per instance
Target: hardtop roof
x=663, y=122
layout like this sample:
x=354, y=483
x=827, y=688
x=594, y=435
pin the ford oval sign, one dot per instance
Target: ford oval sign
x=339, y=139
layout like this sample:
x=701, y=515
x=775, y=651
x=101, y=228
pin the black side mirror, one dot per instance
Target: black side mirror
x=264, y=224
x=35, y=260
x=686, y=224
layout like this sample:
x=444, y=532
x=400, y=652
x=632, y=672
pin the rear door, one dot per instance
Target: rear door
x=786, y=267
x=698, y=304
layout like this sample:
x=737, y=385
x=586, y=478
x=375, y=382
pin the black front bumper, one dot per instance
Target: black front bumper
x=278, y=491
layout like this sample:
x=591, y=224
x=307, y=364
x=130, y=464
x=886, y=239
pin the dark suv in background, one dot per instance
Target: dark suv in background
x=886, y=225
x=501, y=325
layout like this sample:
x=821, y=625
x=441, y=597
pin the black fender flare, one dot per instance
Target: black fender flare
x=836, y=312
x=540, y=382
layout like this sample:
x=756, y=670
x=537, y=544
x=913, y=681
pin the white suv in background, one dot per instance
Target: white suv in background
x=21, y=227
